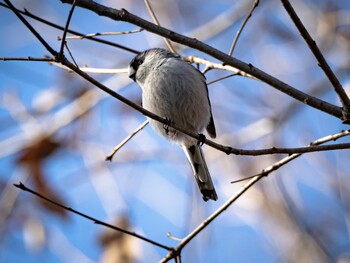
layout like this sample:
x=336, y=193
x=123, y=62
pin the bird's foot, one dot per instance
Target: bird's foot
x=166, y=123
x=201, y=139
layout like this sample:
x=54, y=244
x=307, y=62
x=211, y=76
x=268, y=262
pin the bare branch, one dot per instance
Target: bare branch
x=211, y=65
x=93, y=70
x=321, y=61
x=109, y=157
x=255, y=4
x=102, y=34
x=46, y=59
x=96, y=221
x=34, y=32
x=123, y=15
x=226, y=77
x=253, y=180
x=286, y=160
x=177, y=250
x=307, y=149
x=70, y=54
x=66, y=28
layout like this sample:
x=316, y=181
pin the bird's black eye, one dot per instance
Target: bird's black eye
x=139, y=62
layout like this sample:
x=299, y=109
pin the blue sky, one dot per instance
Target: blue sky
x=303, y=204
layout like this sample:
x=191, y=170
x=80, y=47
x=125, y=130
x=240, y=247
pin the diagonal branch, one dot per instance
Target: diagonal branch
x=104, y=34
x=66, y=29
x=96, y=221
x=110, y=156
x=345, y=101
x=156, y=21
x=124, y=15
x=255, y=4
x=34, y=32
x=253, y=180
x=29, y=58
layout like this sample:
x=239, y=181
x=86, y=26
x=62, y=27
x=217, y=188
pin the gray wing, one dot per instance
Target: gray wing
x=211, y=125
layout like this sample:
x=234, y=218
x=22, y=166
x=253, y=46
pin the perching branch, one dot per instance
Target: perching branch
x=124, y=15
x=321, y=61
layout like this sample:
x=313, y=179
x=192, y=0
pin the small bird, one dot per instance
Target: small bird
x=177, y=91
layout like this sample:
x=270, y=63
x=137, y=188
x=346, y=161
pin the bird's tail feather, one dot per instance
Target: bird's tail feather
x=200, y=170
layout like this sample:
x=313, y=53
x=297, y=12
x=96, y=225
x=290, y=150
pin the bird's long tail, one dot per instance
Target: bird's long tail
x=200, y=170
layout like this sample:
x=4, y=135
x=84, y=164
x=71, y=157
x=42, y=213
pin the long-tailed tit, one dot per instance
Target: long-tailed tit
x=174, y=89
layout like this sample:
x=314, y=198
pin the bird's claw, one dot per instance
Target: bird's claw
x=166, y=123
x=201, y=139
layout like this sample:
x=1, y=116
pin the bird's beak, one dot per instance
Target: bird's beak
x=132, y=73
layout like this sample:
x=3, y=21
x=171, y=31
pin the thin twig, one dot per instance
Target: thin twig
x=96, y=221
x=211, y=65
x=27, y=59
x=110, y=156
x=102, y=34
x=70, y=54
x=255, y=4
x=169, y=235
x=66, y=29
x=345, y=101
x=93, y=70
x=156, y=21
x=222, y=78
x=253, y=180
